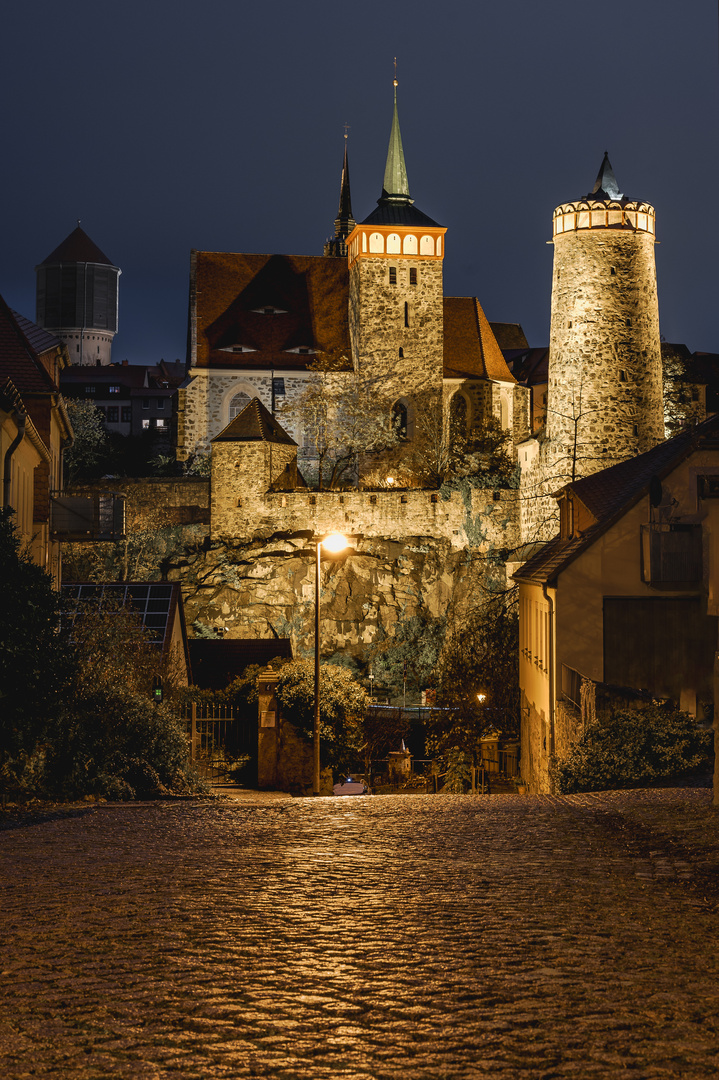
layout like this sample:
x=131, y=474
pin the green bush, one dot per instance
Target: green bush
x=343, y=704
x=118, y=743
x=634, y=748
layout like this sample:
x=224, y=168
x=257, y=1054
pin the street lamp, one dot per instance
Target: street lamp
x=335, y=543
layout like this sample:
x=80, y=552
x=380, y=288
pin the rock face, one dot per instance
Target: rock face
x=260, y=582
x=265, y=587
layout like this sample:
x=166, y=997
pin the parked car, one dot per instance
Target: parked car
x=351, y=787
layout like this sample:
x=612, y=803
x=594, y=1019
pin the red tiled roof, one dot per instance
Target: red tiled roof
x=40, y=340
x=310, y=293
x=18, y=360
x=509, y=335
x=470, y=348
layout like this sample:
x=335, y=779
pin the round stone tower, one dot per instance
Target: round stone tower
x=76, y=298
x=604, y=399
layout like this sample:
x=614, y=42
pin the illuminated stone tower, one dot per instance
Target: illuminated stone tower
x=395, y=259
x=76, y=298
x=605, y=369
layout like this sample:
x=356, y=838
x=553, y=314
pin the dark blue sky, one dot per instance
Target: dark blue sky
x=166, y=125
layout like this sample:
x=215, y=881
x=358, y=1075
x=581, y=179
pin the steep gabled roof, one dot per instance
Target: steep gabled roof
x=77, y=247
x=254, y=424
x=39, y=339
x=509, y=335
x=609, y=494
x=470, y=348
x=18, y=359
x=310, y=295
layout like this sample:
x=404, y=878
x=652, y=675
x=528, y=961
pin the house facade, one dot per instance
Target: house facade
x=625, y=600
x=34, y=432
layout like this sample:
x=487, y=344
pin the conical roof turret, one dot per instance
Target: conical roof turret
x=77, y=247
x=606, y=186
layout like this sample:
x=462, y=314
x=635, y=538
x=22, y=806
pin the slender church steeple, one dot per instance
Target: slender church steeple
x=394, y=206
x=344, y=222
x=396, y=184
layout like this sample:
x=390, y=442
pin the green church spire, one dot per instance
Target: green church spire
x=395, y=173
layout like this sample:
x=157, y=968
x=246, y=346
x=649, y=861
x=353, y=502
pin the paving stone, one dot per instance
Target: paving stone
x=430, y=937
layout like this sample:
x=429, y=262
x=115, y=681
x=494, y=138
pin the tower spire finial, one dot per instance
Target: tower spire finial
x=396, y=185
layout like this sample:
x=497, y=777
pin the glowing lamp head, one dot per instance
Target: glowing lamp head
x=390, y=479
x=481, y=698
x=335, y=542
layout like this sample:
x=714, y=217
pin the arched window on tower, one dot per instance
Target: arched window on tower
x=399, y=419
x=458, y=417
x=237, y=404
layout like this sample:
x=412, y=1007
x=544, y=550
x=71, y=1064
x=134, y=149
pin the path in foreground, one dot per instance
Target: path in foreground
x=417, y=937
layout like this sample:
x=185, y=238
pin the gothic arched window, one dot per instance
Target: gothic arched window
x=237, y=404
x=458, y=416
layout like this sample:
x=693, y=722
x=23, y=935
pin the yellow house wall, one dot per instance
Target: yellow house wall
x=22, y=486
x=534, y=664
x=612, y=567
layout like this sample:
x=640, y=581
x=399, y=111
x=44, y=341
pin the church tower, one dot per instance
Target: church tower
x=344, y=222
x=605, y=370
x=76, y=298
x=395, y=261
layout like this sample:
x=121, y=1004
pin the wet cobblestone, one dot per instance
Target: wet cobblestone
x=432, y=938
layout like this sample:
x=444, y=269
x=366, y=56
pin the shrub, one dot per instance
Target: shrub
x=343, y=704
x=632, y=749
x=118, y=743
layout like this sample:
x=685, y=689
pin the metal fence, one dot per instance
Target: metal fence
x=222, y=741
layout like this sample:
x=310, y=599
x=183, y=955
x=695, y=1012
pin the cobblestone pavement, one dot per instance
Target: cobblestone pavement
x=419, y=937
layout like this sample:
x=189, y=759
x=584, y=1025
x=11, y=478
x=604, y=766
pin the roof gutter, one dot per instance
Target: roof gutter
x=552, y=667
x=20, y=418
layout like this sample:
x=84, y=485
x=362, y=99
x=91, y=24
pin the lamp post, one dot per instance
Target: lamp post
x=335, y=543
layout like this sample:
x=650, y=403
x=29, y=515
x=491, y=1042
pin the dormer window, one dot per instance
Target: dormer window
x=269, y=309
x=237, y=349
x=302, y=350
x=566, y=519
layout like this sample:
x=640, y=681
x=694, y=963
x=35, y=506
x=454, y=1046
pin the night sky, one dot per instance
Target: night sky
x=166, y=125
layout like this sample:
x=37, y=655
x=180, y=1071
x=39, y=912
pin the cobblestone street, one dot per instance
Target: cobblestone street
x=416, y=937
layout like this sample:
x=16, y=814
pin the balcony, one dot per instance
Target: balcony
x=87, y=517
